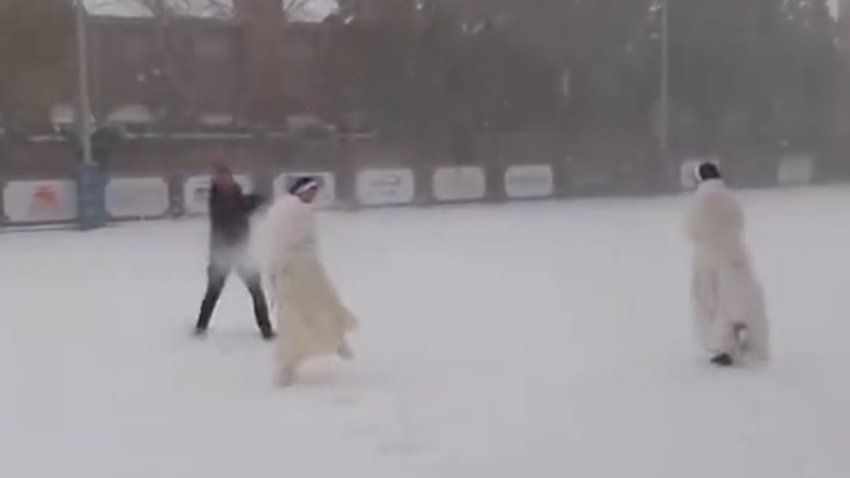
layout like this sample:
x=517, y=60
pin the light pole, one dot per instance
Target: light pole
x=85, y=126
x=91, y=180
x=664, y=127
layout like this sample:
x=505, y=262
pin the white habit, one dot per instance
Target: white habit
x=727, y=297
x=312, y=320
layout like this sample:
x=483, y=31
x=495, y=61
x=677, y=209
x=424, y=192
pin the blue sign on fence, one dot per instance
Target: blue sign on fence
x=91, y=197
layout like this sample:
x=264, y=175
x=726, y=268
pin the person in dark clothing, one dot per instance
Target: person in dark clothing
x=230, y=215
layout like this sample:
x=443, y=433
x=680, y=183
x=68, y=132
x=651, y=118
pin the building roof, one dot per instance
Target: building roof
x=311, y=11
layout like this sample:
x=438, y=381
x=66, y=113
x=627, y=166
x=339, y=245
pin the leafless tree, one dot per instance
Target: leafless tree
x=34, y=53
x=263, y=76
x=171, y=51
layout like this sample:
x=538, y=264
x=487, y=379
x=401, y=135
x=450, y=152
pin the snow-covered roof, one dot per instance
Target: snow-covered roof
x=297, y=10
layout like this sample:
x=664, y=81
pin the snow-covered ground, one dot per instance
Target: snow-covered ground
x=525, y=340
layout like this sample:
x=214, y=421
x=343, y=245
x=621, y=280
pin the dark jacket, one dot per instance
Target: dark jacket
x=230, y=216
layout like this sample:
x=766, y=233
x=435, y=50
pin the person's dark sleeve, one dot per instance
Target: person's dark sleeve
x=213, y=203
x=253, y=202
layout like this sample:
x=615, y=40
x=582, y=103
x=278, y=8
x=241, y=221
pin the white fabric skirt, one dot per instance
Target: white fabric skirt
x=726, y=299
x=312, y=320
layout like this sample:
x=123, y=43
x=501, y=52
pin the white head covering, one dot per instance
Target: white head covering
x=302, y=185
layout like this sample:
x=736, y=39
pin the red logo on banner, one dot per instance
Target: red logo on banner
x=45, y=198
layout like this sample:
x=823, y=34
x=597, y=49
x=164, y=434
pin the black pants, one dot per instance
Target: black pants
x=217, y=274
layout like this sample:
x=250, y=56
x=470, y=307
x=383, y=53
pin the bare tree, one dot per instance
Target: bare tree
x=34, y=54
x=172, y=48
x=261, y=95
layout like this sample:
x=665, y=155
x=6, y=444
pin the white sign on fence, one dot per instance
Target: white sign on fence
x=327, y=185
x=688, y=171
x=384, y=187
x=688, y=174
x=530, y=181
x=459, y=183
x=795, y=170
x=40, y=201
x=196, y=192
x=133, y=198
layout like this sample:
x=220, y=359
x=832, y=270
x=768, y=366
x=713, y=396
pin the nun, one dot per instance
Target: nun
x=312, y=320
x=728, y=300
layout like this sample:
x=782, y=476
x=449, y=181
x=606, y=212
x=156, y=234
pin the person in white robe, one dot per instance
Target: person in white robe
x=728, y=299
x=312, y=320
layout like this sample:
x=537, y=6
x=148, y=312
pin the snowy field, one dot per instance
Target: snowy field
x=529, y=340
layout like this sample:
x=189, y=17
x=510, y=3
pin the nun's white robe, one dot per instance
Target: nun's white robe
x=728, y=300
x=312, y=320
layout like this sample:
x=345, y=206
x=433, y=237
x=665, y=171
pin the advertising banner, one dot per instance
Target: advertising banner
x=385, y=187
x=133, y=198
x=40, y=201
x=459, y=184
x=530, y=181
x=795, y=170
x=688, y=168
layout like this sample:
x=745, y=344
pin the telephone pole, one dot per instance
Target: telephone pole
x=91, y=180
x=84, y=107
x=664, y=127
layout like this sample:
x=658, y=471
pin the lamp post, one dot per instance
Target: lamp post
x=91, y=180
x=664, y=127
x=85, y=126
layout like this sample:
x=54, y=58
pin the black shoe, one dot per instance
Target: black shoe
x=723, y=360
x=200, y=332
x=268, y=335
